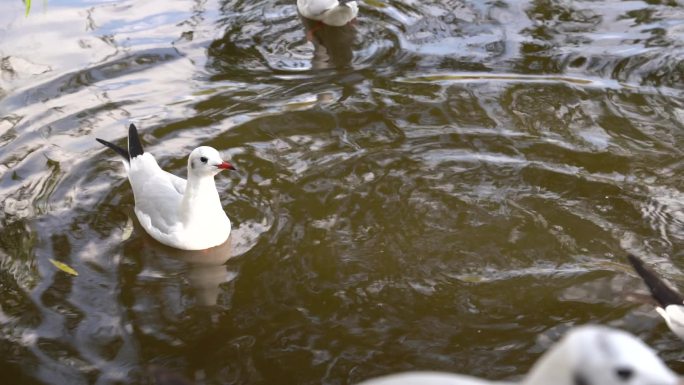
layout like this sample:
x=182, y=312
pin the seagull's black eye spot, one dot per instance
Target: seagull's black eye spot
x=579, y=379
x=624, y=374
x=204, y=159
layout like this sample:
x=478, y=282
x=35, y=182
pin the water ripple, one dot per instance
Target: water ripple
x=395, y=177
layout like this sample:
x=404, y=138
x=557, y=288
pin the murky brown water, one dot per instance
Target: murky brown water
x=450, y=186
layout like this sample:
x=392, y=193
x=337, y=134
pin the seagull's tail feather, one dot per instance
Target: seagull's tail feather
x=134, y=146
x=660, y=291
x=116, y=148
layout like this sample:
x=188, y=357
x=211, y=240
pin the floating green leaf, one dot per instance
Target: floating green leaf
x=64, y=267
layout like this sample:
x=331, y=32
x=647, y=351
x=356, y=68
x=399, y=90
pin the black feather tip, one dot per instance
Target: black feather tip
x=660, y=291
x=134, y=146
x=116, y=148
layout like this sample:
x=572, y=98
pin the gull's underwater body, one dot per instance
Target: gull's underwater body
x=586, y=355
x=184, y=214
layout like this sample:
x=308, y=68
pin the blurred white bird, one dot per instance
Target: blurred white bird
x=336, y=13
x=183, y=214
x=586, y=355
x=331, y=12
x=670, y=304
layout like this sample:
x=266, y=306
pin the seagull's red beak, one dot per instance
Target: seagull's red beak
x=226, y=166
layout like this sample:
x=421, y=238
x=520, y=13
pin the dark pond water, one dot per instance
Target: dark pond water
x=448, y=185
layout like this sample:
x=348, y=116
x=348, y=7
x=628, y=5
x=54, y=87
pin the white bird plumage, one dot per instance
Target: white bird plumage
x=670, y=303
x=586, y=355
x=184, y=214
x=331, y=12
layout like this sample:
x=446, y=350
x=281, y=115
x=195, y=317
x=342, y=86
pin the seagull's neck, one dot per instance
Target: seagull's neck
x=200, y=200
x=554, y=367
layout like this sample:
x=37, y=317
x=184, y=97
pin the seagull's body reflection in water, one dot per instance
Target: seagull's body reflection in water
x=175, y=277
x=333, y=46
x=173, y=303
x=172, y=299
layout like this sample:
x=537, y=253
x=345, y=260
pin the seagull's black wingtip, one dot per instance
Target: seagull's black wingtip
x=134, y=146
x=116, y=148
x=660, y=290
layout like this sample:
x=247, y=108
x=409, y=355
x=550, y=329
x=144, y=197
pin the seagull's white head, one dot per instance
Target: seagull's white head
x=206, y=161
x=596, y=355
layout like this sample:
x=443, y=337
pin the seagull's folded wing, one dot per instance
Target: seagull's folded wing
x=157, y=202
x=177, y=183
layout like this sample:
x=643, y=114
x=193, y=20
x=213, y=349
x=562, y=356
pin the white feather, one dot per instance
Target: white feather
x=330, y=12
x=674, y=317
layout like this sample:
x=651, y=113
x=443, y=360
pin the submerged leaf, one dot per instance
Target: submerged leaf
x=64, y=267
x=127, y=230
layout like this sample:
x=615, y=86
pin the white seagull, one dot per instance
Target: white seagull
x=586, y=355
x=670, y=302
x=331, y=12
x=183, y=214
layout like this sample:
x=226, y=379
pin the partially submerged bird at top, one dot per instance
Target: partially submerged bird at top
x=336, y=13
x=670, y=304
x=184, y=214
x=586, y=355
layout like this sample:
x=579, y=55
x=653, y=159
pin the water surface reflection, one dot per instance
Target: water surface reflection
x=450, y=187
